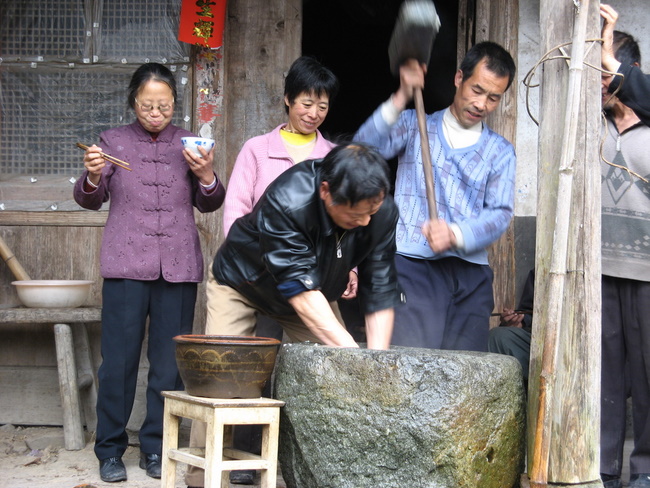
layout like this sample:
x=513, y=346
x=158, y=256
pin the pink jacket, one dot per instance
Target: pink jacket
x=261, y=160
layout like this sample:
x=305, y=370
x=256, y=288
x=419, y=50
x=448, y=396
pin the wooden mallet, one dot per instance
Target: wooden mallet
x=415, y=30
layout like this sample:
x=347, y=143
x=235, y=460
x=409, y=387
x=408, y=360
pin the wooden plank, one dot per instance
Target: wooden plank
x=50, y=315
x=85, y=218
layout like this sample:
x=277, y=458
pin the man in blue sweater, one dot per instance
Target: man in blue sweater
x=442, y=260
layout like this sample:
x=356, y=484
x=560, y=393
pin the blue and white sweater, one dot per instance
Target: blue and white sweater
x=474, y=185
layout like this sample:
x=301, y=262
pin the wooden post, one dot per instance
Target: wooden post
x=498, y=21
x=564, y=385
x=72, y=427
x=87, y=378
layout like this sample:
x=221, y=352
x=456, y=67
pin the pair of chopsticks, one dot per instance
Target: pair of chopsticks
x=108, y=157
x=526, y=312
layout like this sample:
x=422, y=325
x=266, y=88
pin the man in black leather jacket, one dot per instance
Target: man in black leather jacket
x=291, y=256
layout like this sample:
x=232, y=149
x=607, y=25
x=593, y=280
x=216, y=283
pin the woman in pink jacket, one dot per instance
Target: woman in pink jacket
x=309, y=89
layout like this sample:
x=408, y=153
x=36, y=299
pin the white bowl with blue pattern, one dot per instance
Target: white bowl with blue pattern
x=194, y=143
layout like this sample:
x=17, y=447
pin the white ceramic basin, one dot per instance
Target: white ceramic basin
x=53, y=293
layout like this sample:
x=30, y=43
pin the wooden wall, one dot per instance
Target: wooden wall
x=262, y=38
x=50, y=244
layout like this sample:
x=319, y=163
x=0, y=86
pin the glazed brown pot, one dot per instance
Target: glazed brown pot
x=225, y=366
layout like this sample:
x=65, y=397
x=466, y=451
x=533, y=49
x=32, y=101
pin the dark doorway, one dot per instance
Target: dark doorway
x=351, y=37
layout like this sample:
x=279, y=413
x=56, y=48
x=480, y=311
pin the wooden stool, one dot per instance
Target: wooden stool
x=220, y=415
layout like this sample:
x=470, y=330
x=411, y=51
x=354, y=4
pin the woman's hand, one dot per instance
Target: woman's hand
x=201, y=166
x=94, y=162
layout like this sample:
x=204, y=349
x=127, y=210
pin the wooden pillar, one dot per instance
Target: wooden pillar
x=245, y=80
x=564, y=385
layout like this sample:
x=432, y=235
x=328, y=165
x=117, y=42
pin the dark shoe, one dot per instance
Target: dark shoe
x=611, y=481
x=151, y=462
x=641, y=480
x=112, y=470
x=242, y=477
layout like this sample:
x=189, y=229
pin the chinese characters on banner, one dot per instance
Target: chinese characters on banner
x=202, y=22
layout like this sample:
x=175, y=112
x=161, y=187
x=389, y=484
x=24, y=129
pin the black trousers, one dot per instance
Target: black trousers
x=625, y=371
x=126, y=306
x=448, y=304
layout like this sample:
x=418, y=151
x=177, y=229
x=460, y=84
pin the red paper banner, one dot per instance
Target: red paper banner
x=202, y=22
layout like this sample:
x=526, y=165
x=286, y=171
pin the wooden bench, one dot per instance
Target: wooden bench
x=74, y=364
x=218, y=458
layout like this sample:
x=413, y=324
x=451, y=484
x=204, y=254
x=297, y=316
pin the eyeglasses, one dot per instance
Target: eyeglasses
x=162, y=108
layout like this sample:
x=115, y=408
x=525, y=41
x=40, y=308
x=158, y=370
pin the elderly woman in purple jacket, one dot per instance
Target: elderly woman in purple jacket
x=150, y=260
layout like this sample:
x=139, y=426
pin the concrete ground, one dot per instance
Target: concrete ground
x=34, y=457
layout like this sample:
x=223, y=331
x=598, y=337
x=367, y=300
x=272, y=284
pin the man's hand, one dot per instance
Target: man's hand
x=509, y=318
x=439, y=235
x=379, y=328
x=411, y=76
x=353, y=284
x=314, y=310
x=608, y=59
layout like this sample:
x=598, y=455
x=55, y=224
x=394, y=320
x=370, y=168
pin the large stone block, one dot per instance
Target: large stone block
x=403, y=418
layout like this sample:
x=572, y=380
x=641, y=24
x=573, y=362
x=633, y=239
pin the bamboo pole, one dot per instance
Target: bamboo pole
x=558, y=267
x=14, y=265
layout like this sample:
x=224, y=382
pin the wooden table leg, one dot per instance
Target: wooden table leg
x=87, y=377
x=72, y=427
x=170, y=441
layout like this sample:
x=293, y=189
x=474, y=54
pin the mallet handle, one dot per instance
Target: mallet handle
x=427, y=166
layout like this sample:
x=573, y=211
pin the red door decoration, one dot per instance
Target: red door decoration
x=202, y=22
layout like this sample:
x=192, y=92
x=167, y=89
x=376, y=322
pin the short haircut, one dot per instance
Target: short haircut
x=355, y=172
x=626, y=49
x=148, y=72
x=498, y=61
x=307, y=75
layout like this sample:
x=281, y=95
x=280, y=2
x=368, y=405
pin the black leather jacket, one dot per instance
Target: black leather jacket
x=289, y=236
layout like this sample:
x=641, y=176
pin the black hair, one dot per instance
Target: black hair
x=355, y=172
x=626, y=49
x=498, y=61
x=307, y=75
x=148, y=72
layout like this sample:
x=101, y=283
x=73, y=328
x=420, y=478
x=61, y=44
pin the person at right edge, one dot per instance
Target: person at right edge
x=442, y=260
x=632, y=86
x=625, y=258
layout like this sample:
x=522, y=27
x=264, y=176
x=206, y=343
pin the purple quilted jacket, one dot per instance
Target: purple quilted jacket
x=150, y=226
